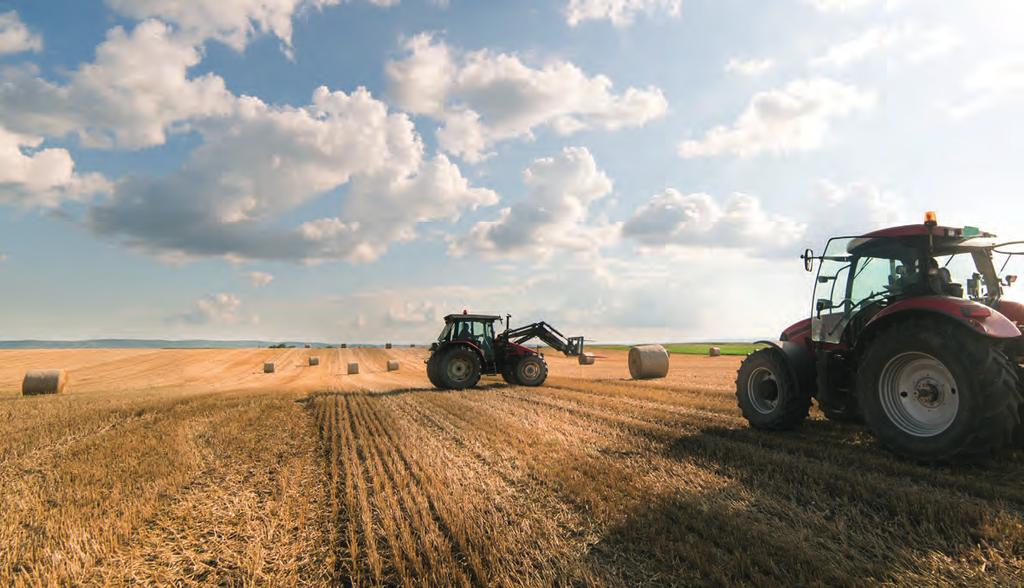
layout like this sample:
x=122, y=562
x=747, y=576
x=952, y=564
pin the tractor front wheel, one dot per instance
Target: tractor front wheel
x=459, y=369
x=767, y=394
x=508, y=373
x=935, y=392
x=434, y=370
x=530, y=371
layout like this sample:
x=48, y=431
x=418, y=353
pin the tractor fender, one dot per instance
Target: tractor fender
x=466, y=344
x=977, y=317
x=800, y=361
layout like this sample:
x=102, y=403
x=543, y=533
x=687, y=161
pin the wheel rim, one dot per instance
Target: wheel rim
x=530, y=371
x=763, y=390
x=459, y=369
x=918, y=394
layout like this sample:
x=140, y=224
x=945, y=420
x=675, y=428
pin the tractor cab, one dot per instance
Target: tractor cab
x=860, y=276
x=476, y=330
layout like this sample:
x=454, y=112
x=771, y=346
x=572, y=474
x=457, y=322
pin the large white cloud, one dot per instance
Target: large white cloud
x=674, y=219
x=31, y=176
x=233, y=22
x=619, y=12
x=483, y=97
x=263, y=161
x=797, y=117
x=129, y=96
x=15, y=37
x=842, y=5
x=554, y=214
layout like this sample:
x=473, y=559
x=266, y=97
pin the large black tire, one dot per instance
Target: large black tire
x=508, y=372
x=433, y=370
x=767, y=394
x=459, y=368
x=933, y=391
x=531, y=370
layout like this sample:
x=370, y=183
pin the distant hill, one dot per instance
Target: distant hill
x=153, y=344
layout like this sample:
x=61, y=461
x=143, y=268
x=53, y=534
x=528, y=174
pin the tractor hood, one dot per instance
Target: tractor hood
x=797, y=332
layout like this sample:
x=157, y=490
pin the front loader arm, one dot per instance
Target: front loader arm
x=549, y=335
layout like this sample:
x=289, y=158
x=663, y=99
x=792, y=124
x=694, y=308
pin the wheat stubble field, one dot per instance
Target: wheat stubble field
x=193, y=467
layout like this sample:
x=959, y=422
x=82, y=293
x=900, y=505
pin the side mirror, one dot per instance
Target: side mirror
x=808, y=258
x=1011, y=280
x=822, y=305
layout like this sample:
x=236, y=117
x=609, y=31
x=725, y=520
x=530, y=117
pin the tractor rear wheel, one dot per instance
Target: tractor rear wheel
x=459, y=369
x=767, y=394
x=933, y=391
x=530, y=371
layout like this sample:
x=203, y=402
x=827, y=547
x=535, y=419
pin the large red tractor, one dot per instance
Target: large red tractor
x=468, y=348
x=909, y=333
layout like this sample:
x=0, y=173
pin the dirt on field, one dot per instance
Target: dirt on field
x=193, y=466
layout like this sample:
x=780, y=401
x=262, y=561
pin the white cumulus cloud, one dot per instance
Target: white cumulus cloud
x=619, y=12
x=136, y=88
x=554, y=214
x=220, y=308
x=15, y=37
x=749, y=67
x=260, y=279
x=797, y=117
x=31, y=176
x=674, y=219
x=264, y=160
x=232, y=22
x=483, y=97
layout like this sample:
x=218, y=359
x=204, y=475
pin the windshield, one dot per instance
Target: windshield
x=855, y=274
x=446, y=332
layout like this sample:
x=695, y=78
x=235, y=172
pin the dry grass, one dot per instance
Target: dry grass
x=309, y=476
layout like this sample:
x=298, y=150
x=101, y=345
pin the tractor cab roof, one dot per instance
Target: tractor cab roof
x=945, y=240
x=471, y=317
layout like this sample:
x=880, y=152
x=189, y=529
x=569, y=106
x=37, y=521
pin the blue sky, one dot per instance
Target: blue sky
x=353, y=170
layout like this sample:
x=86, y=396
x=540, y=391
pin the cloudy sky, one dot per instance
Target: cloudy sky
x=351, y=170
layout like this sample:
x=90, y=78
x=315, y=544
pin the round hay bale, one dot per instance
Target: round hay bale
x=314, y=361
x=353, y=368
x=387, y=346
x=44, y=382
x=392, y=365
x=268, y=368
x=647, y=362
x=587, y=359
x=715, y=352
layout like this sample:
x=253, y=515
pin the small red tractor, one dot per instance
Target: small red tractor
x=468, y=348
x=910, y=334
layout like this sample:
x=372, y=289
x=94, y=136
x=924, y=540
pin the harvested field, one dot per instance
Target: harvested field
x=160, y=466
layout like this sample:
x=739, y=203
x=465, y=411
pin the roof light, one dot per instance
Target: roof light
x=930, y=218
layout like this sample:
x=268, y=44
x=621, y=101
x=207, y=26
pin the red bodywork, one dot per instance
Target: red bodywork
x=1001, y=323
x=517, y=349
x=977, y=316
